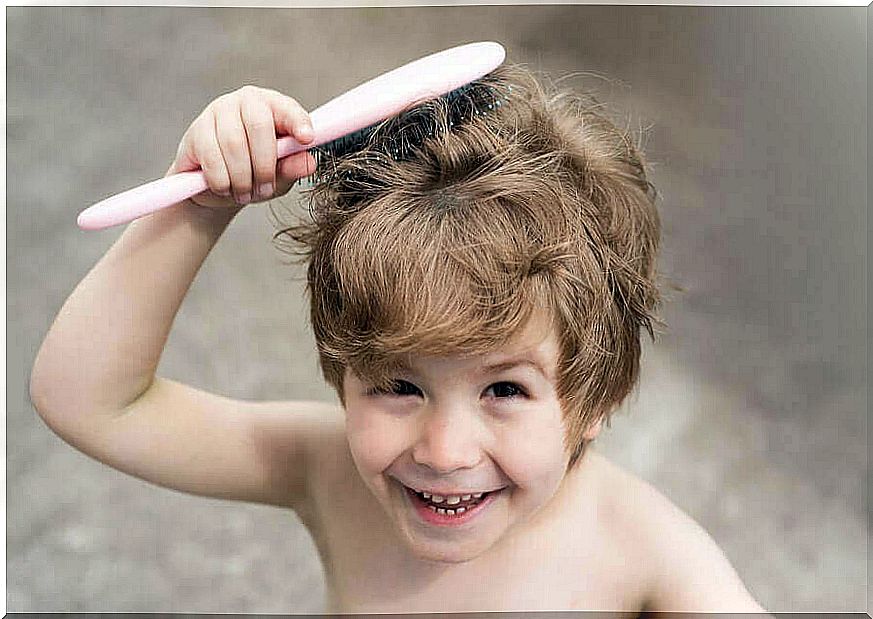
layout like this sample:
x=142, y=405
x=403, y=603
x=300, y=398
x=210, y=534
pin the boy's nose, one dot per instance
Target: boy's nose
x=447, y=442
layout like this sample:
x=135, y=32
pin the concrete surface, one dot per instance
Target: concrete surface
x=752, y=410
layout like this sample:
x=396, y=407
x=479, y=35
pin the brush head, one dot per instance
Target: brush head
x=404, y=106
x=400, y=136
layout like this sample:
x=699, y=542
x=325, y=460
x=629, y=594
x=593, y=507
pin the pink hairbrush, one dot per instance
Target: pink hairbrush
x=337, y=124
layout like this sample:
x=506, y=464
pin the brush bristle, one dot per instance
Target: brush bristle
x=400, y=136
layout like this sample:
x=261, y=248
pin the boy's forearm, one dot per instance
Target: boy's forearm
x=102, y=351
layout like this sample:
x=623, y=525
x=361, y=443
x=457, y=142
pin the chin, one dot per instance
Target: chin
x=446, y=552
x=448, y=547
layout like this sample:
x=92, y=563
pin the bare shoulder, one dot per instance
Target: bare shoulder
x=686, y=570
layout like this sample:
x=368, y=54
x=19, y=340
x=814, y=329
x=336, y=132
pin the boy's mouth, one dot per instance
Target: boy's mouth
x=450, y=504
x=449, y=508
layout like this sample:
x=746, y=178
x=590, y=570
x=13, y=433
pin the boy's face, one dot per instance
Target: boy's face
x=459, y=426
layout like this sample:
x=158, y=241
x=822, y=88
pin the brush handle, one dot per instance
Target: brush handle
x=371, y=102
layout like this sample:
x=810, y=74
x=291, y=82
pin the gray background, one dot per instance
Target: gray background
x=751, y=411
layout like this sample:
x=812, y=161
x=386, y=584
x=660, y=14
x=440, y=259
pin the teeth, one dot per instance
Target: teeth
x=431, y=508
x=461, y=510
x=442, y=511
x=450, y=500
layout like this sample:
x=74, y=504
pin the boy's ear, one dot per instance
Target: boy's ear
x=593, y=430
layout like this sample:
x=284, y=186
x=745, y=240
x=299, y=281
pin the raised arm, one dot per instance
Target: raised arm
x=93, y=381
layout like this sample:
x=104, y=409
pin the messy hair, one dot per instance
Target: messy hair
x=540, y=204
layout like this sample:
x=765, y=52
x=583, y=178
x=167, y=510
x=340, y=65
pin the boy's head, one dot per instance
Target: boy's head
x=537, y=208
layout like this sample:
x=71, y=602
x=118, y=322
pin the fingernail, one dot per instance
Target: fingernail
x=245, y=198
x=266, y=190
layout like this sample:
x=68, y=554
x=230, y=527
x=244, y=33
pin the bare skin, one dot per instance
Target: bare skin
x=567, y=558
x=596, y=538
x=602, y=540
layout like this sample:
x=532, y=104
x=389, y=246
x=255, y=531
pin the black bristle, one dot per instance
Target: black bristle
x=400, y=136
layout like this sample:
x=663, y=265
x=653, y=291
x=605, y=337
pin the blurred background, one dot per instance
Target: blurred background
x=751, y=412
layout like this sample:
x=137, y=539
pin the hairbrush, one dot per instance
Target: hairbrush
x=340, y=125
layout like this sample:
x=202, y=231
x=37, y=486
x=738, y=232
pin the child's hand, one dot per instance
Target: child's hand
x=234, y=142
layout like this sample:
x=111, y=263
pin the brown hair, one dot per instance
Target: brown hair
x=540, y=203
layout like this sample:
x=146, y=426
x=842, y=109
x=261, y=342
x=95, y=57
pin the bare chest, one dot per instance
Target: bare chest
x=550, y=584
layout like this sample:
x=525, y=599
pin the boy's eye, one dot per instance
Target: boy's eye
x=505, y=390
x=399, y=388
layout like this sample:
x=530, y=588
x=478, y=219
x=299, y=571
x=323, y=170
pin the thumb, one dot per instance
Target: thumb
x=183, y=162
x=292, y=168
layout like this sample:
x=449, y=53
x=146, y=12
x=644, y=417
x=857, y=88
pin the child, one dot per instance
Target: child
x=477, y=305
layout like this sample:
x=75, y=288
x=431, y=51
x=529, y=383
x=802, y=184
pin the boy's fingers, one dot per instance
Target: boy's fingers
x=211, y=161
x=234, y=142
x=261, y=132
x=185, y=160
x=234, y=145
x=186, y=153
x=295, y=167
x=290, y=117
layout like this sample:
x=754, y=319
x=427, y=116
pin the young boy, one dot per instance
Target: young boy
x=477, y=305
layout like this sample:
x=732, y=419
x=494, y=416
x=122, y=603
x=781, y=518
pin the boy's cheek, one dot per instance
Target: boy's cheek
x=537, y=459
x=374, y=443
x=537, y=469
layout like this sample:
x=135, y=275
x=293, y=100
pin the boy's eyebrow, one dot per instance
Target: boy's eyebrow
x=511, y=363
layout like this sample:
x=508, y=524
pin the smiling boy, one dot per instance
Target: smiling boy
x=477, y=306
